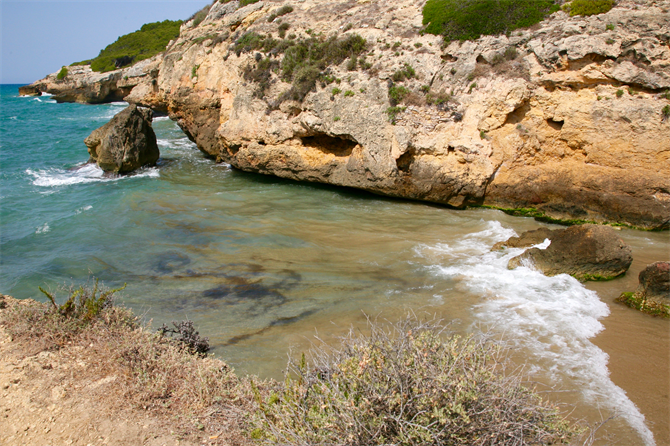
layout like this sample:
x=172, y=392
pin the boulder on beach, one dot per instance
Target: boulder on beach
x=127, y=142
x=525, y=240
x=655, y=282
x=586, y=252
x=653, y=293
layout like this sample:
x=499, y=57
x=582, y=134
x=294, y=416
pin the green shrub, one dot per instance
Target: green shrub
x=470, y=19
x=407, y=72
x=148, y=41
x=610, y=27
x=199, y=16
x=348, y=93
x=336, y=118
x=335, y=91
x=286, y=9
x=397, y=93
x=619, y=93
x=247, y=2
x=84, y=303
x=393, y=112
x=305, y=61
x=282, y=29
x=407, y=383
x=62, y=73
x=83, y=62
x=588, y=7
x=666, y=112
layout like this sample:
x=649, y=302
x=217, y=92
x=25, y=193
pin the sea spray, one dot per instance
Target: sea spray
x=553, y=318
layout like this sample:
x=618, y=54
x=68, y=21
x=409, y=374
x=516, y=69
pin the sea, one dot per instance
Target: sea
x=266, y=267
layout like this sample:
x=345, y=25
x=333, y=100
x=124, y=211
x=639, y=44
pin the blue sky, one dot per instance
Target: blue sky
x=38, y=37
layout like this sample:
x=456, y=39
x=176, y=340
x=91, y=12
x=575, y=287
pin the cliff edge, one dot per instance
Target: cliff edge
x=568, y=118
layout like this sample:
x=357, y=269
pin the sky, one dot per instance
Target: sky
x=39, y=37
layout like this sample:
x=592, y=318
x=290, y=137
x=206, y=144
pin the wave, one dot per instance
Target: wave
x=162, y=118
x=43, y=229
x=88, y=173
x=552, y=317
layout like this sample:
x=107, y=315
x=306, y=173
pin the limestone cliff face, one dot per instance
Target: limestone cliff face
x=566, y=117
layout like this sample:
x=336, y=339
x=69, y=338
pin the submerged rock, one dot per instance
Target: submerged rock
x=127, y=142
x=586, y=252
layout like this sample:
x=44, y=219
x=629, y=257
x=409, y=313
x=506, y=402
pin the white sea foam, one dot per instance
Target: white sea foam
x=37, y=99
x=83, y=209
x=552, y=317
x=43, y=229
x=44, y=93
x=162, y=118
x=88, y=173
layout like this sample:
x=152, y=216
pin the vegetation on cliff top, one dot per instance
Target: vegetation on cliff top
x=406, y=383
x=148, y=41
x=470, y=19
x=305, y=61
x=588, y=7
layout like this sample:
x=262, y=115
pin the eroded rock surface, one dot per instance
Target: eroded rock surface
x=126, y=143
x=525, y=240
x=655, y=283
x=565, y=117
x=587, y=252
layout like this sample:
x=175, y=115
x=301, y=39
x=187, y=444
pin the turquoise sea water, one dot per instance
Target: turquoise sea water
x=262, y=264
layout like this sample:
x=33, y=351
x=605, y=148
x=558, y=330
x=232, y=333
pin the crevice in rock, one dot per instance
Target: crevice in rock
x=232, y=149
x=517, y=115
x=338, y=146
x=405, y=161
x=555, y=124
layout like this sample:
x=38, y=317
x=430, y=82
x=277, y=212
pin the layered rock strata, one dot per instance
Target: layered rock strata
x=566, y=118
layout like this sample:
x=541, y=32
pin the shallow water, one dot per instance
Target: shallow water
x=262, y=264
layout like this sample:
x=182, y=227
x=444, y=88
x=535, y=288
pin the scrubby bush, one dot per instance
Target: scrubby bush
x=666, y=112
x=407, y=72
x=397, y=93
x=185, y=334
x=62, y=73
x=84, y=303
x=199, y=16
x=148, y=41
x=588, y=7
x=247, y=2
x=407, y=383
x=286, y=9
x=469, y=19
x=393, y=112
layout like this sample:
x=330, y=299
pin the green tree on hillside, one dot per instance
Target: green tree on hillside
x=148, y=41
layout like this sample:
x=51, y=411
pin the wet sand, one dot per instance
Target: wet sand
x=639, y=349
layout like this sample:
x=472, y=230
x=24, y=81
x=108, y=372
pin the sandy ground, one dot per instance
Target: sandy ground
x=50, y=399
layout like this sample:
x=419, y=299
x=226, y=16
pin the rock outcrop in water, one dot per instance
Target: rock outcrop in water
x=126, y=143
x=655, y=283
x=586, y=252
x=564, y=120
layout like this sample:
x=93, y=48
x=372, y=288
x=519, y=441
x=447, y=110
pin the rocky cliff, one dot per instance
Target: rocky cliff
x=568, y=118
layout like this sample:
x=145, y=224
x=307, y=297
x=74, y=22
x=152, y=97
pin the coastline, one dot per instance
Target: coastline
x=638, y=346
